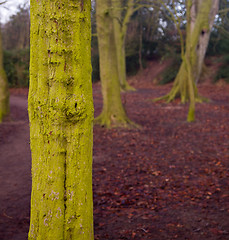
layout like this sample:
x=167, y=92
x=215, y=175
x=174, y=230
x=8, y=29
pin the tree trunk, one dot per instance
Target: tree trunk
x=4, y=89
x=204, y=39
x=140, y=41
x=200, y=24
x=61, y=117
x=120, y=28
x=187, y=59
x=113, y=113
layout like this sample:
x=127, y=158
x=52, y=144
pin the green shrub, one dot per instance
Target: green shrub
x=223, y=72
x=218, y=45
x=170, y=73
x=16, y=65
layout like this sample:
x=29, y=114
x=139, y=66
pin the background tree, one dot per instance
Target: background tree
x=200, y=18
x=4, y=90
x=122, y=12
x=61, y=116
x=205, y=33
x=16, y=30
x=15, y=35
x=219, y=42
x=151, y=35
x=113, y=113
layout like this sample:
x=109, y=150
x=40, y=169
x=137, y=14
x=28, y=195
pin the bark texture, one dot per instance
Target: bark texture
x=61, y=119
x=4, y=89
x=204, y=39
x=113, y=113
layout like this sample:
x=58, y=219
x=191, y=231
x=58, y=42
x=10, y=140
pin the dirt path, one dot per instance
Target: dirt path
x=15, y=174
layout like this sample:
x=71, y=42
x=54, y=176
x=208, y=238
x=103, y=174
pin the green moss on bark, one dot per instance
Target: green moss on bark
x=61, y=118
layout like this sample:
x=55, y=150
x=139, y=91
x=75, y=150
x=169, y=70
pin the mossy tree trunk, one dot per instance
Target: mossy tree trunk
x=4, y=89
x=198, y=27
x=113, y=113
x=61, y=119
x=120, y=30
x=204, y=39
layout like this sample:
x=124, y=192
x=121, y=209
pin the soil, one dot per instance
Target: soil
x=167, y=180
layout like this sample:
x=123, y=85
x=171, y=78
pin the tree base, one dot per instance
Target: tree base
x=184, y=99
x=113, y=121
x=127, y=88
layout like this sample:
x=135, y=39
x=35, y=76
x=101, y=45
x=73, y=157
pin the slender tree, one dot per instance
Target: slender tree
x=113, y=113
x=61, y=117
x=4, y=90
x=121, y=19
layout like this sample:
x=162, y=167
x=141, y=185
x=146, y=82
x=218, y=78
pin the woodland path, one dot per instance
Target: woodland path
x=15, y=177
x=168, y=180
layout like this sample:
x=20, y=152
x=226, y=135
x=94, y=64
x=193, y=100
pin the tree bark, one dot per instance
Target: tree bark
x=204, y=39
x=4, y=89
x=187, y=59
x=113, y=113
x=140, y=42
x=61, y=119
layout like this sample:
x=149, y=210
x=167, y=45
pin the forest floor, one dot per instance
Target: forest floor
x=168, y=180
